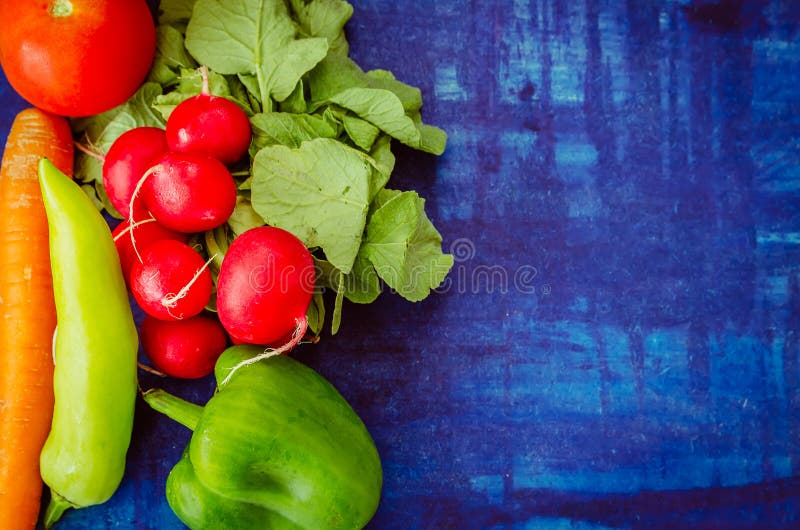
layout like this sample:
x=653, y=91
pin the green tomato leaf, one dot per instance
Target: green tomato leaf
x=319, y=191
x=403, y=245
x=253, y=37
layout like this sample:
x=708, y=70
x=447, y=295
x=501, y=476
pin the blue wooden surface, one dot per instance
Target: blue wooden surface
x=617, y=346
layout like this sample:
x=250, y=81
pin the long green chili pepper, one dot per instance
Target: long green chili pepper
x=95, y=385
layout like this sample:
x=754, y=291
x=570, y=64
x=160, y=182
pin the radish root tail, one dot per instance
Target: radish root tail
x=137, y=224
x=134, y=196
x=150, y=370
x=171, y=300
x=297, y=336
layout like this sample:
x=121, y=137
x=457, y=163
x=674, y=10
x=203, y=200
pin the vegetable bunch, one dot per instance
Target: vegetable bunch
x=320, y=158
x=256, y=152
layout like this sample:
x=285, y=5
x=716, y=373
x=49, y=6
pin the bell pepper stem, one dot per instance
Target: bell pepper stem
x=180, y=410
x=55, y=509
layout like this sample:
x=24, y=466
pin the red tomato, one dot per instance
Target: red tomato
x=76, y=57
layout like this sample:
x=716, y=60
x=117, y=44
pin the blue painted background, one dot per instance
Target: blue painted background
x=617, y=346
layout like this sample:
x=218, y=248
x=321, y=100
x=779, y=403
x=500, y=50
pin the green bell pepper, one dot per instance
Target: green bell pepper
x=95, y=350
x=276, y=447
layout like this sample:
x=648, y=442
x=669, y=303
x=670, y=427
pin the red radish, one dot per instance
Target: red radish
x=211, y=125
x=129, y=157
x=188, y=192
x=171, y=282
x=183, y=348
x=264, y=287
x=145, y=232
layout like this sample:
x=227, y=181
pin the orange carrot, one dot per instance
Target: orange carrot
x=27, y=311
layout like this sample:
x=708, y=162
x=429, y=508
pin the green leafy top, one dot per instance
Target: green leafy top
x=253, y=37
x=319, y=192
x=321, y=153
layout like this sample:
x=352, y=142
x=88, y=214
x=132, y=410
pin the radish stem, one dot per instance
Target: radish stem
x=85, y=150
x=204, y=76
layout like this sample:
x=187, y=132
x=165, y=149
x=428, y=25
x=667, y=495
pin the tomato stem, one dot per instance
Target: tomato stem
x=60, y=8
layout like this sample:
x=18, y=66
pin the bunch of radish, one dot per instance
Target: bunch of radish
x=170, y=184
